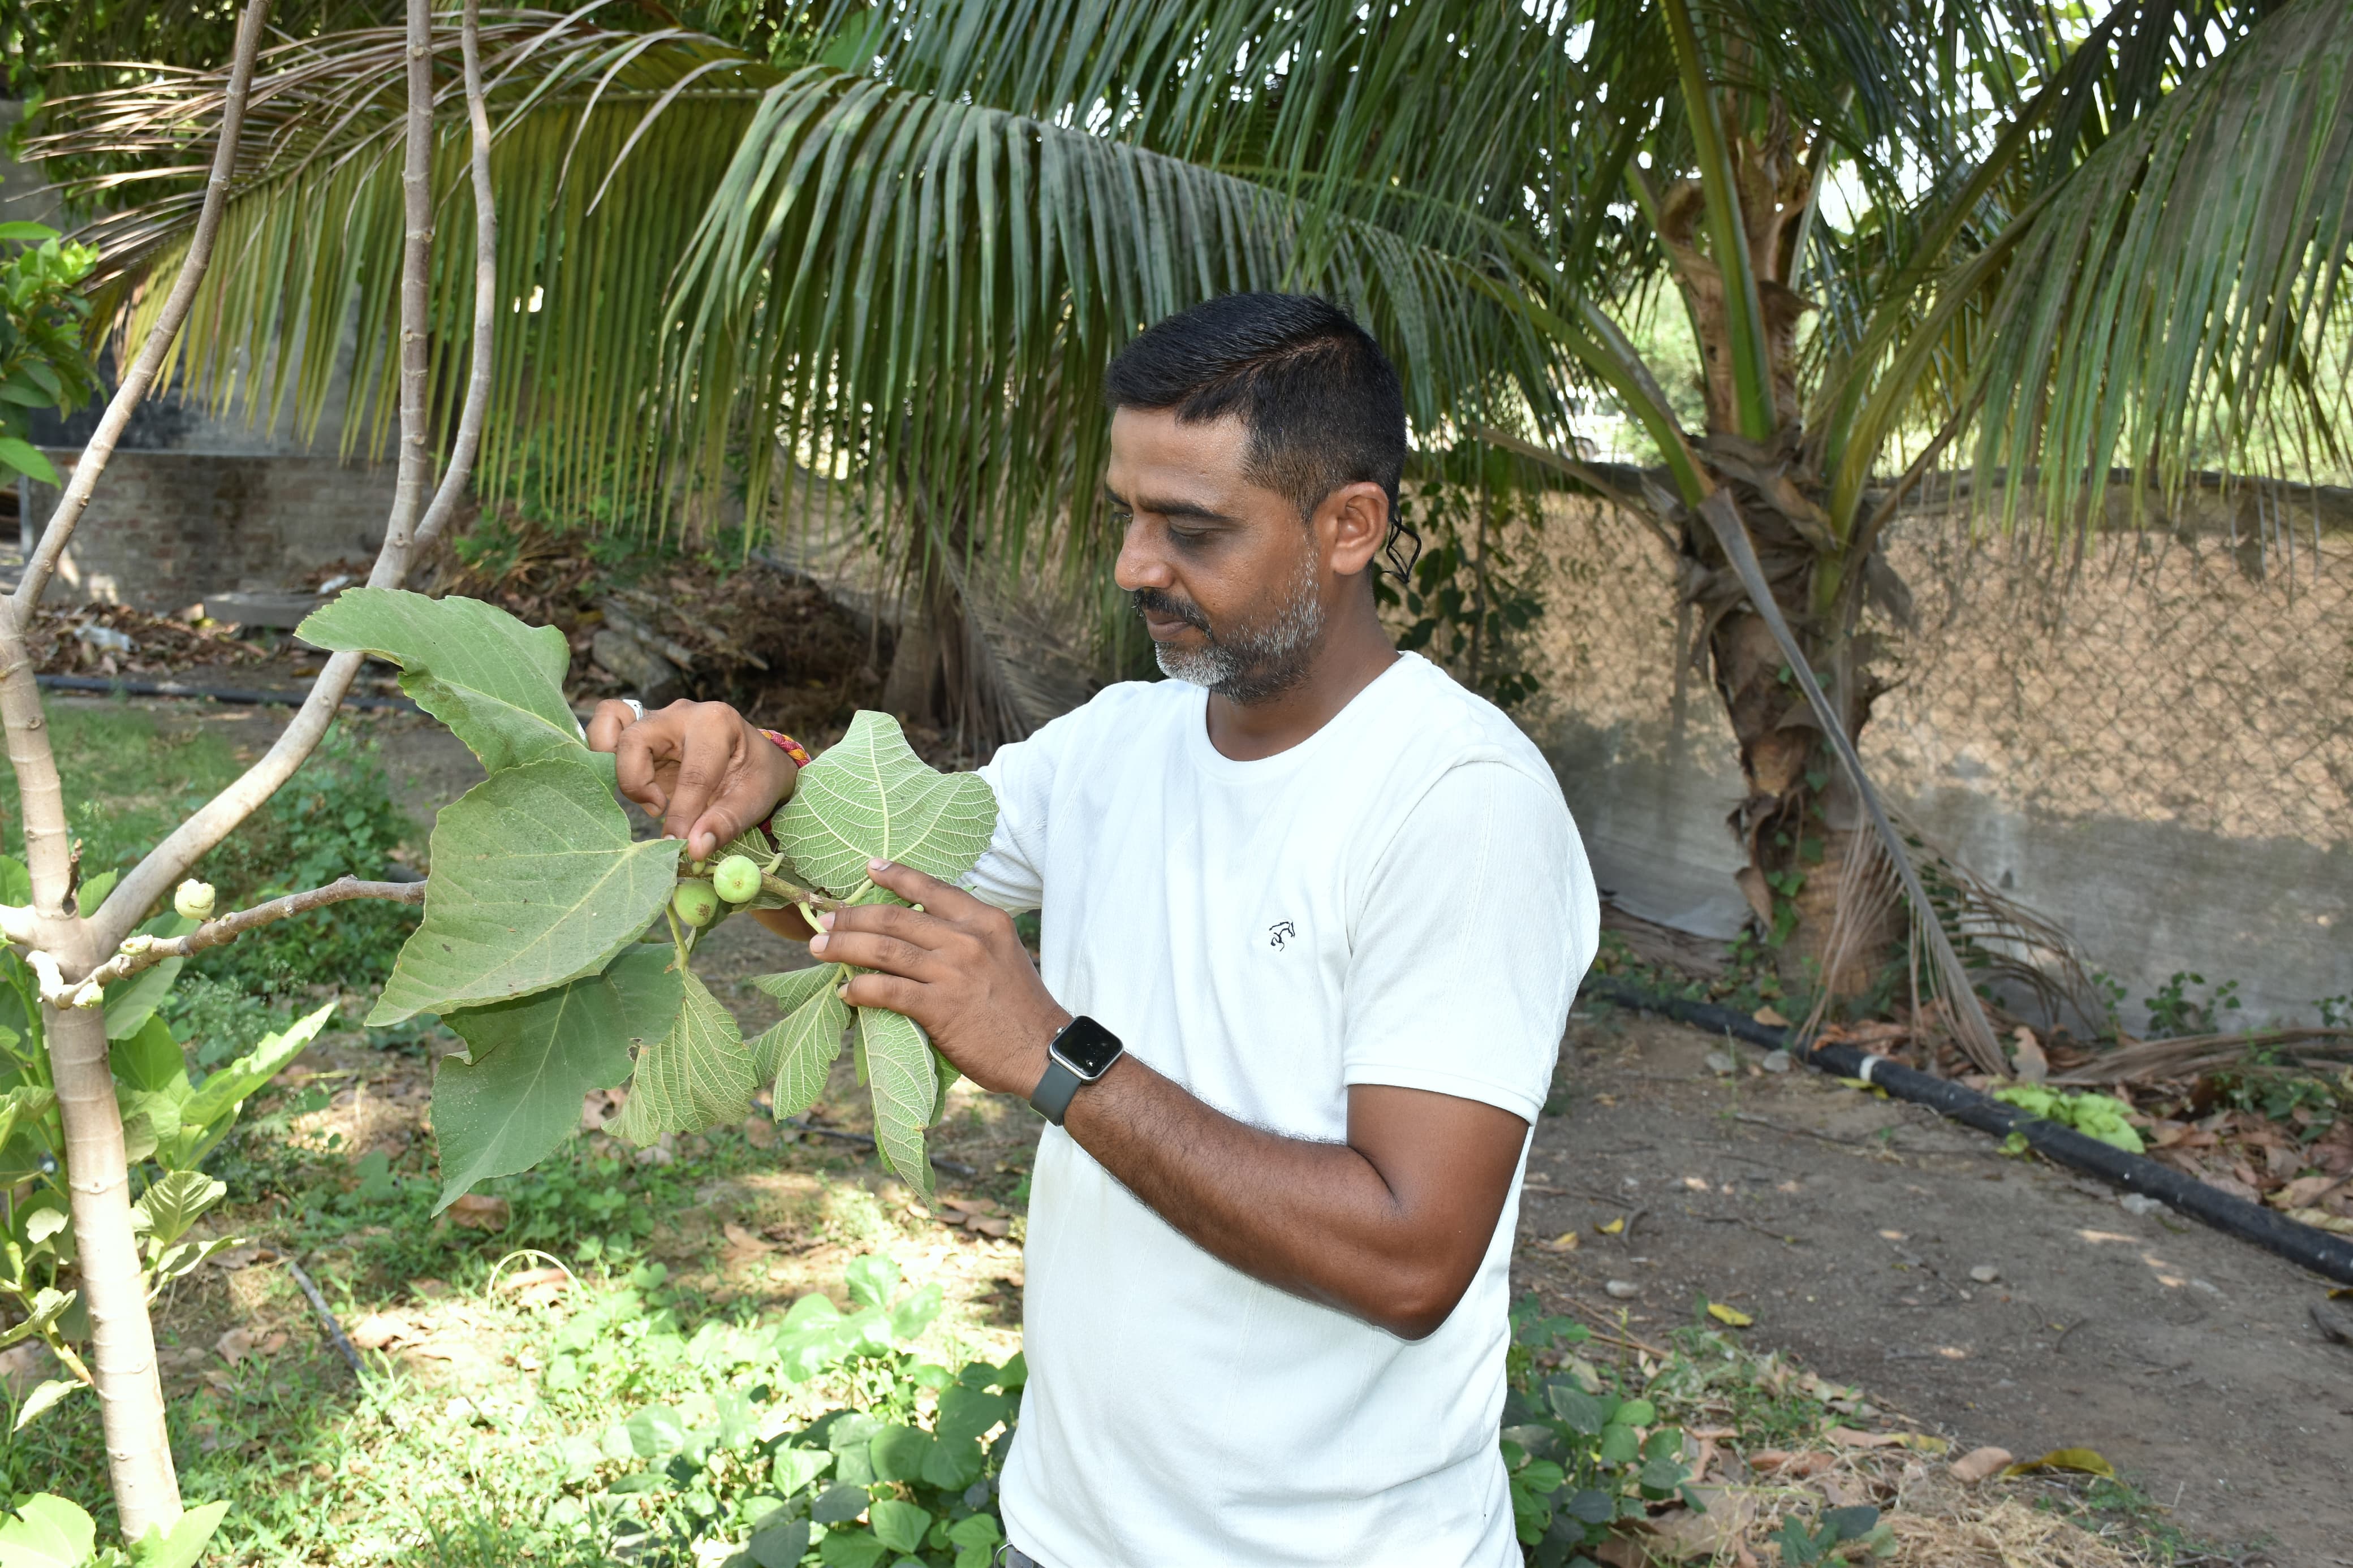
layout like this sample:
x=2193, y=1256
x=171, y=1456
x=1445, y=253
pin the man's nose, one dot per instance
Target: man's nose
x=1140, y=564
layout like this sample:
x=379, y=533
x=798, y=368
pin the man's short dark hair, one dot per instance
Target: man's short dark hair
x=1320, y=399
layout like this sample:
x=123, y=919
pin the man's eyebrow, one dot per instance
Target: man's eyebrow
x=1171, y=508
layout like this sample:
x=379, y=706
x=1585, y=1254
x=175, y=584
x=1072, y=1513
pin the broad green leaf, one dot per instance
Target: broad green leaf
x=899, y=1525
x=48, y=1532
x=897, y=1452
x=797, y=1468
x=50, y=1304
x=798, y=1051
x=23, y=1104
x=148, y=1058
x=850, y=1548
x=871, y=796
x=173, y=1203
x=496, y=682
x=872, y=1278
x=697, y=1076
x=514, y=1096
x=26, y=459
x=899, y=1059
x=182, y=1546
x=130, y=1004
x=36, y=1403
x=535, y=882
x=218, y=1096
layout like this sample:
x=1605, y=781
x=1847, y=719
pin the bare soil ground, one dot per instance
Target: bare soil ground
x=1849, y=1227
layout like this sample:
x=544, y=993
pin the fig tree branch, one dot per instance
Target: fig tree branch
x=140, y=953
x=100, y=447
x=164, y=865
x=486, y=291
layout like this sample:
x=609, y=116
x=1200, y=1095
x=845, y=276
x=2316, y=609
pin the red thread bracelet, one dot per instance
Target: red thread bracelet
x=790, y=747
x=799, y=755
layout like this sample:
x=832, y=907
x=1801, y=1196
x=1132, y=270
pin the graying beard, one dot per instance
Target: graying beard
x=1257, y=666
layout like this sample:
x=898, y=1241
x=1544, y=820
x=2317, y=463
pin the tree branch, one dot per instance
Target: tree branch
x=140, y=953
x=133, y=387
x=170, y=861
x=486, y=292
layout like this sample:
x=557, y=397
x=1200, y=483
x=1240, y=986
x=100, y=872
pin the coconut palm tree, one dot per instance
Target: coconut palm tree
x=897, y=243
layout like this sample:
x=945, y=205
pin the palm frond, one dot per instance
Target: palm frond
x=888, y=274
x=2179, y=292
x=607, y=143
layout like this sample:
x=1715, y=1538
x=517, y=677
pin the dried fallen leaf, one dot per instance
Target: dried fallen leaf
x=1978, y=1463
x=475, y=1212
x=523, y=1279
x=430, y=1290
x=234, y=1346
x=378, y=1330
x=970, y=1205
x=1768, y=1016
x=759, y=1132
x=742, y=1242
x=2028, y=1060
x=2081, y=1461
x=1613, y=1227
x=1849, y=1437
x=1565, y=1242
x=1732, y=1315
x=2305, y=1192
x=995, y=1229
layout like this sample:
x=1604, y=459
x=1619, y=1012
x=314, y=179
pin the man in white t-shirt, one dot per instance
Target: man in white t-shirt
x=1313, y=917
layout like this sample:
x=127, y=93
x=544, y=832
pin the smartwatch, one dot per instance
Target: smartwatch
x=1080, y=1052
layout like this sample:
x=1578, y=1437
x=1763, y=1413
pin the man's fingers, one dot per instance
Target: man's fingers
x=914, y=927
x=606, y=724
x=871, y=950
x=940, y=897
x=710, y=754
x=640, y=754
x=886, y=991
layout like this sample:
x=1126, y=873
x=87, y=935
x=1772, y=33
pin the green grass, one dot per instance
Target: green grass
x=505, y=1455
x=130, y=776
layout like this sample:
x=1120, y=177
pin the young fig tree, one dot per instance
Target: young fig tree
x=86, y=1067
x=560, y=949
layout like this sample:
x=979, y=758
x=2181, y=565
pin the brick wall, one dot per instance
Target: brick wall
x=165, y=529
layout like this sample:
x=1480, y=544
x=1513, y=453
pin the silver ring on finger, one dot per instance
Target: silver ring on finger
x=636, y=708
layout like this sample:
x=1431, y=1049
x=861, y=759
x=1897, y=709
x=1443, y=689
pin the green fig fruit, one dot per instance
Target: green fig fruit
x=737, y=880
x=695, y=903
x=194, y=900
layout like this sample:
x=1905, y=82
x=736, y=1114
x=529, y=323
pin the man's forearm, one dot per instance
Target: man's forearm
x=1319, y=1220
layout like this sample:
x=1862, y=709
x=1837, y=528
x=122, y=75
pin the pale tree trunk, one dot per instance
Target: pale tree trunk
x=66, y=945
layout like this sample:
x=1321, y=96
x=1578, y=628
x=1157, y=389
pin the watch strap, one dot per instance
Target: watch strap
x=1051, y=1099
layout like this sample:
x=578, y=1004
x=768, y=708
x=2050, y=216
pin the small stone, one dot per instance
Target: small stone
x=1776, y=1061
x=2141, y=1204
x=1985, y=1274
x=1721, y=1063
x=1624, y=1289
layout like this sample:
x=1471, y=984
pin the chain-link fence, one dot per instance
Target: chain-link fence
x=2149, y=739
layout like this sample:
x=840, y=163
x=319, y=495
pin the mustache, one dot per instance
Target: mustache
x=1153, y=599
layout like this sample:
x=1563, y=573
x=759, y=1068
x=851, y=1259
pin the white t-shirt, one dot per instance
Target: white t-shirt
x=1401, y=899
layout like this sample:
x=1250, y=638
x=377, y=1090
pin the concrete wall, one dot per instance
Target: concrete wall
x=165, y=529
x=2156, y=752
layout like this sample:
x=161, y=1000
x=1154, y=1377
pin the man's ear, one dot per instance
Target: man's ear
x=1352, y=525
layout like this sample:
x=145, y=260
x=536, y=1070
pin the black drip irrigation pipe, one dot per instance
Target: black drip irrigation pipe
x=2314, y=1248
x=117, y=685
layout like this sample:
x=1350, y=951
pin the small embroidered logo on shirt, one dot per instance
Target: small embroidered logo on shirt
x=1279, y=932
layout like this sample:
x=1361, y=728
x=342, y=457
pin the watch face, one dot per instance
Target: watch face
x=1088, y=1048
